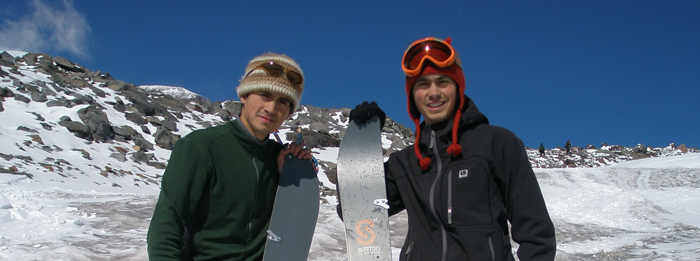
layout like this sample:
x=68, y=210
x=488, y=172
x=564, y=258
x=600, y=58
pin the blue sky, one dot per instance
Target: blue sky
x=619, y=72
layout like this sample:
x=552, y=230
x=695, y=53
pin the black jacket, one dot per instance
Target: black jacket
x=459, y=208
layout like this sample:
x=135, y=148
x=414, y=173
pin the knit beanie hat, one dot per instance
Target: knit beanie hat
x=454, y=72
x=256, y=78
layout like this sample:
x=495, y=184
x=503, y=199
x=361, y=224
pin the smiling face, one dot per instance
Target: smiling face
x=435, y=97
x=263, y=112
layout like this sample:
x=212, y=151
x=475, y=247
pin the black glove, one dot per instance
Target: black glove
x=365, y=111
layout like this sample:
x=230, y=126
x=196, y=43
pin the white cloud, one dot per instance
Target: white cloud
x=47, y=29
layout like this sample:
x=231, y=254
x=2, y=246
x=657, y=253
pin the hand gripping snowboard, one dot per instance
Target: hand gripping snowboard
x=363, y=193
x=295, y=212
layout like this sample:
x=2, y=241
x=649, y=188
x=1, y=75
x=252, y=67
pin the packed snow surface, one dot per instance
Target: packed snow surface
x=638, y=210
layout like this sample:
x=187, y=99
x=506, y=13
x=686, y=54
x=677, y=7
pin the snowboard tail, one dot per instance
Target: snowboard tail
x=362, y=192
x=295, y=212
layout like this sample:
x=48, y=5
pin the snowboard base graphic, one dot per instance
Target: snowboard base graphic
x=295, y=212
x=362, y=192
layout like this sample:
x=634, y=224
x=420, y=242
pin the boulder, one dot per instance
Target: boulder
x=117, y=85
x=5, y=92
x=6, y=59
x=119, y=156
x=38, y=97
x=98, y=92
x=125, y=131
x=96, y=120
x=135, y=118
x=319, y=127
x=142, y=143
x=169, y=125
x=164, y=138
x=78, y=129
x=141, y=156
x=67, y=65
x=20, y=97
x=58, y=103
x=30, y=58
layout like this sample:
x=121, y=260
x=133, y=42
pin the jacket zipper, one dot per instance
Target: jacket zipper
x=449, y=198
x=432, y=194
x=249, y=227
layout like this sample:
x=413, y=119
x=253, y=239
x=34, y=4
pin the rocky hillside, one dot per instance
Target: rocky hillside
x=62, y=119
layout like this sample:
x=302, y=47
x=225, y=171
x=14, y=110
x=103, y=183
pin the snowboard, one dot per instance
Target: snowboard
x=294, y=213
x=362, y=192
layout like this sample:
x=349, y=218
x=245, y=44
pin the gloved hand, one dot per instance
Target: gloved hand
x=365, y=111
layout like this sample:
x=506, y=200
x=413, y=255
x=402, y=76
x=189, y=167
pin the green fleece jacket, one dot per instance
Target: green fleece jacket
x=217, y=195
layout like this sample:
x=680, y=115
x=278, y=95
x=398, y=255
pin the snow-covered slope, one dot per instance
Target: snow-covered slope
x=69, y=190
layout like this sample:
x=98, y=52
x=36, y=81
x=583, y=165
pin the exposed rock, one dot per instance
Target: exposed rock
x=38, y=97
x=165, y=139
x=5, y=92
x=47, y=91
x=319, y=126
x=640, y=149
x=67, y=65
x=169, y=125
x=330, y=169
x=316, y=139
x=58, y=103
x=119, y=156
x=96, y=120
x=145, y=129
x=98, y=92
x=44, y=63
x=20, y=97
x=30, y=58
x=194, y=107
x=84, y=153
x=171, y=103
x=77, y=127
x=64, y=120
x=135, y=118
x=99, y=77
x=117, y=85
x=157, y=165
x=141, y=156
x=6, y=59
x=125, y=131
x=83, y=99
x=119, y=107
x=232, y=107
x=142, y=143
x=22, y=128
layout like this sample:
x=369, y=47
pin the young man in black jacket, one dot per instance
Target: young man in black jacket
x=463, y=180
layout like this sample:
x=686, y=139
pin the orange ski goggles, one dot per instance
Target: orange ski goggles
x=277, y=70
x=437, y=51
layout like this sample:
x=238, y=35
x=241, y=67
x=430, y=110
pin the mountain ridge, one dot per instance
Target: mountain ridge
x=59, y=118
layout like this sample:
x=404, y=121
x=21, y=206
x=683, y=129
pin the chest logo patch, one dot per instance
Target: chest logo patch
x=463, y=173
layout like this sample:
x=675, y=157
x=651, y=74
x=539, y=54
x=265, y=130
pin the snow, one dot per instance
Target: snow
x=177, y=92
x=598, y=212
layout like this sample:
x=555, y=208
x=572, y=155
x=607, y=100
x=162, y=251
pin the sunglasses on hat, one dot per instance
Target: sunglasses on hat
x=277, y=70
x=437, y=51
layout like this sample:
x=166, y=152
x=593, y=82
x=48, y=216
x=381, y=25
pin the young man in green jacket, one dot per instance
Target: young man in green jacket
x=219, y=187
